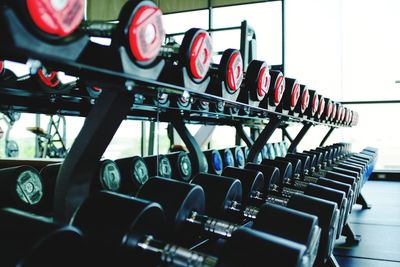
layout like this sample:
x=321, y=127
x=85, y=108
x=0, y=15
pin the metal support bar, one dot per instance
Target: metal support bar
x=331, y=262
x=151, y=139
x=73, y=181
x=363, y=202
x=199, y=161
x=262, y=139
x=299, y=137
x=243, y=135
x=327, y=136
x=351, y=237
x=286, y=134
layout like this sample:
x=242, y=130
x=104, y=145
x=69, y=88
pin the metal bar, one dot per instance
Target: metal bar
x=299, y=137
x=363, y=202
x=209, y=30
x=199, y=161
x=75, y=175
x=327, y=136
x=262, y=139
x=286, y=134
x=370, y=102
x=143, y=139
x=150, y=150
x=243, y=135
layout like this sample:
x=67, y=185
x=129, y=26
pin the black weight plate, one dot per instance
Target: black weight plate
x=271, y=174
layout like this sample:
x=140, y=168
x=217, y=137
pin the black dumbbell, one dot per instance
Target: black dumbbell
x=28, y=240
x=290, y=96
x=158, y=165
x=134, y=173
x=187, y=64
x=228, y=159
x=226, y=78
x=303, y=103
x=313, y=106
x=276, y=91
x=254, y=195
x=285, y=187
x=256, y=84
x=239, y=156
x=106, y=177
x=181, y=165
x=133, y=233
x=214, y=160
x=224, y=199
x=21, y=188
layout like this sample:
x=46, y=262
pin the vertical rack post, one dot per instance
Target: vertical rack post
x=331, y=129
x=262, y=139
x=75, y=175
x=299, y=137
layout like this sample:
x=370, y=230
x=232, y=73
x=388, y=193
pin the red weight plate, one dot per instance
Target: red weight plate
x=51, y=80
x=339, y=113
x=146, y=33
x=56, y=17
x=295, y=95
x=334, y=109
x=96, y=89
x=264, y=80
x=344, y=111
x=321, y=107
x=279, y=89
x=1, y=66
x=329, y=109
x=235, y=72
x=305, y=100
x=200, y=55
x=315, y=105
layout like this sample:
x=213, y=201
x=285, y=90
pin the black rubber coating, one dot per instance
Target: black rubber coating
x=220, y=192
x=285, y=168
x=247, y=247
x=288, y=223
x=252, y=181
x=271, y=174
x=178, y=200
x=134, y=173
x=28, y=240
x=114, y=223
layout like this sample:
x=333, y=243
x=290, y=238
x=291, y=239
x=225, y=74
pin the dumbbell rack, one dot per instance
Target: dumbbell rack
x=120, y=100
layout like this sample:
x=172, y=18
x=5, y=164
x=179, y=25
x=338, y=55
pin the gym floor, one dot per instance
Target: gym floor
x=379, y=228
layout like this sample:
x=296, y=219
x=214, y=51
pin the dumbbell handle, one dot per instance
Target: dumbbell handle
x=175, y=255
x=98, y=28
x=220, y=228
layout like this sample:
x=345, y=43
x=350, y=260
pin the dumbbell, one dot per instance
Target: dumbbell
x=290, y=96
x=187, y=64
x=310, y=176
x=313, y=106
x=226, y=78
x=303, y=103
x=29, y=240
x=294, y=183
x=239, y=156
x=106, y=177
x=181, y=165
x=276, y=91
x=53, y=21
x=285, y=187
x=326, y=114
x=158, y=165
x=134, y=173
x=21, y=188
x=131, y=232
x=254, y=195
x=224, y=198
x=227, y=157
x=256, y=84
